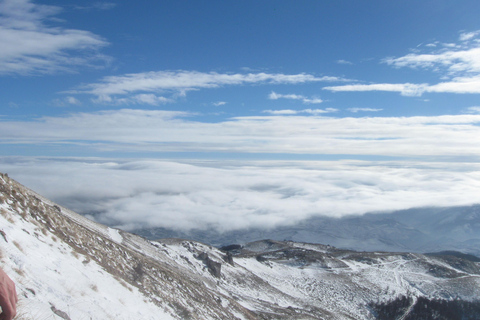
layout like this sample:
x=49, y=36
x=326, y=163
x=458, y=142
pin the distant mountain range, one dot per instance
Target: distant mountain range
x=413, y=230
x=68, y=267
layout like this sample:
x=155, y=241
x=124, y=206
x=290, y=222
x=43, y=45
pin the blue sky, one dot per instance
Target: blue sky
x=373, y=81
x=190, y=65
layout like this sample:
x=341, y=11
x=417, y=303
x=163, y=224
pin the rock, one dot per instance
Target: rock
x=215, y=268
x=228, y=258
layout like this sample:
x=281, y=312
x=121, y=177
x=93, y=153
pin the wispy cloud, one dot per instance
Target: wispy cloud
x=355, y=110
x=163, y=131
x=281, y=112
x=294, y=112
x=240, y=195
x=116, y=88
x=475, y=109
x=275, y=96
x=66, y=102
x=468, y=35
x=97, y=6
x=30, y=47
x=341, y=61
x=457, y=85
x=405, y=89
x=149, y=98
x=457, y=64
x=454, y=62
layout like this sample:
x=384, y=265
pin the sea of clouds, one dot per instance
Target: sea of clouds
x=233, y=195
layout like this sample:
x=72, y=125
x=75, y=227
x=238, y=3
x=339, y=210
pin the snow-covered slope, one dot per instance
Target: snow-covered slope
x=62, y=261
x=68, y=267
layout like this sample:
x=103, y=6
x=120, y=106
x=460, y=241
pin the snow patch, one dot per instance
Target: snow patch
x=115, y=235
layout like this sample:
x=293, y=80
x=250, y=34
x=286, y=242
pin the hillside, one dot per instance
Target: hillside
x=68, y=267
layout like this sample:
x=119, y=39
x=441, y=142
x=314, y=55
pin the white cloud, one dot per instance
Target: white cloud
x=405, y=89
x=312, y=100
x=294, y=112
x=318, y=111
x=281, y=112
x=149, y=98
x=142, y=99
x=275, y=96
x=473, y=109
x=73, y=100
x=66, y=101
x=458, y=85
x=219, y=103
x=458, y=64
x=97, y=6
x=341, y=61
x=155, y=130
x=230, y=195
x=355, y=110
x=187, y=80
x=468, y=35
x=29, y=46
x=181, y=81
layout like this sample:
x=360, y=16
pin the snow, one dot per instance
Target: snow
x=115, y=235
x=48, y=273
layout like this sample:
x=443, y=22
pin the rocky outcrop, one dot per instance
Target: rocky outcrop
x=215, y=268
x=228, y=258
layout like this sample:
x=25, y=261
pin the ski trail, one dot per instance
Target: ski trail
x=404, y=316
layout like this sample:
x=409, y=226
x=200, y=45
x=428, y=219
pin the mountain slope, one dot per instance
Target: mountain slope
x=61, y=259
x=68, y=267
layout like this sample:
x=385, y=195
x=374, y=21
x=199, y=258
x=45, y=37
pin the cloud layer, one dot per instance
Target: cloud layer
x=165, y=131
x=229, y=195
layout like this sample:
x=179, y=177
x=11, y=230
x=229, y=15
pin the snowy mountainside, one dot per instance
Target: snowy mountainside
x=63, y=261
x=68, y=267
